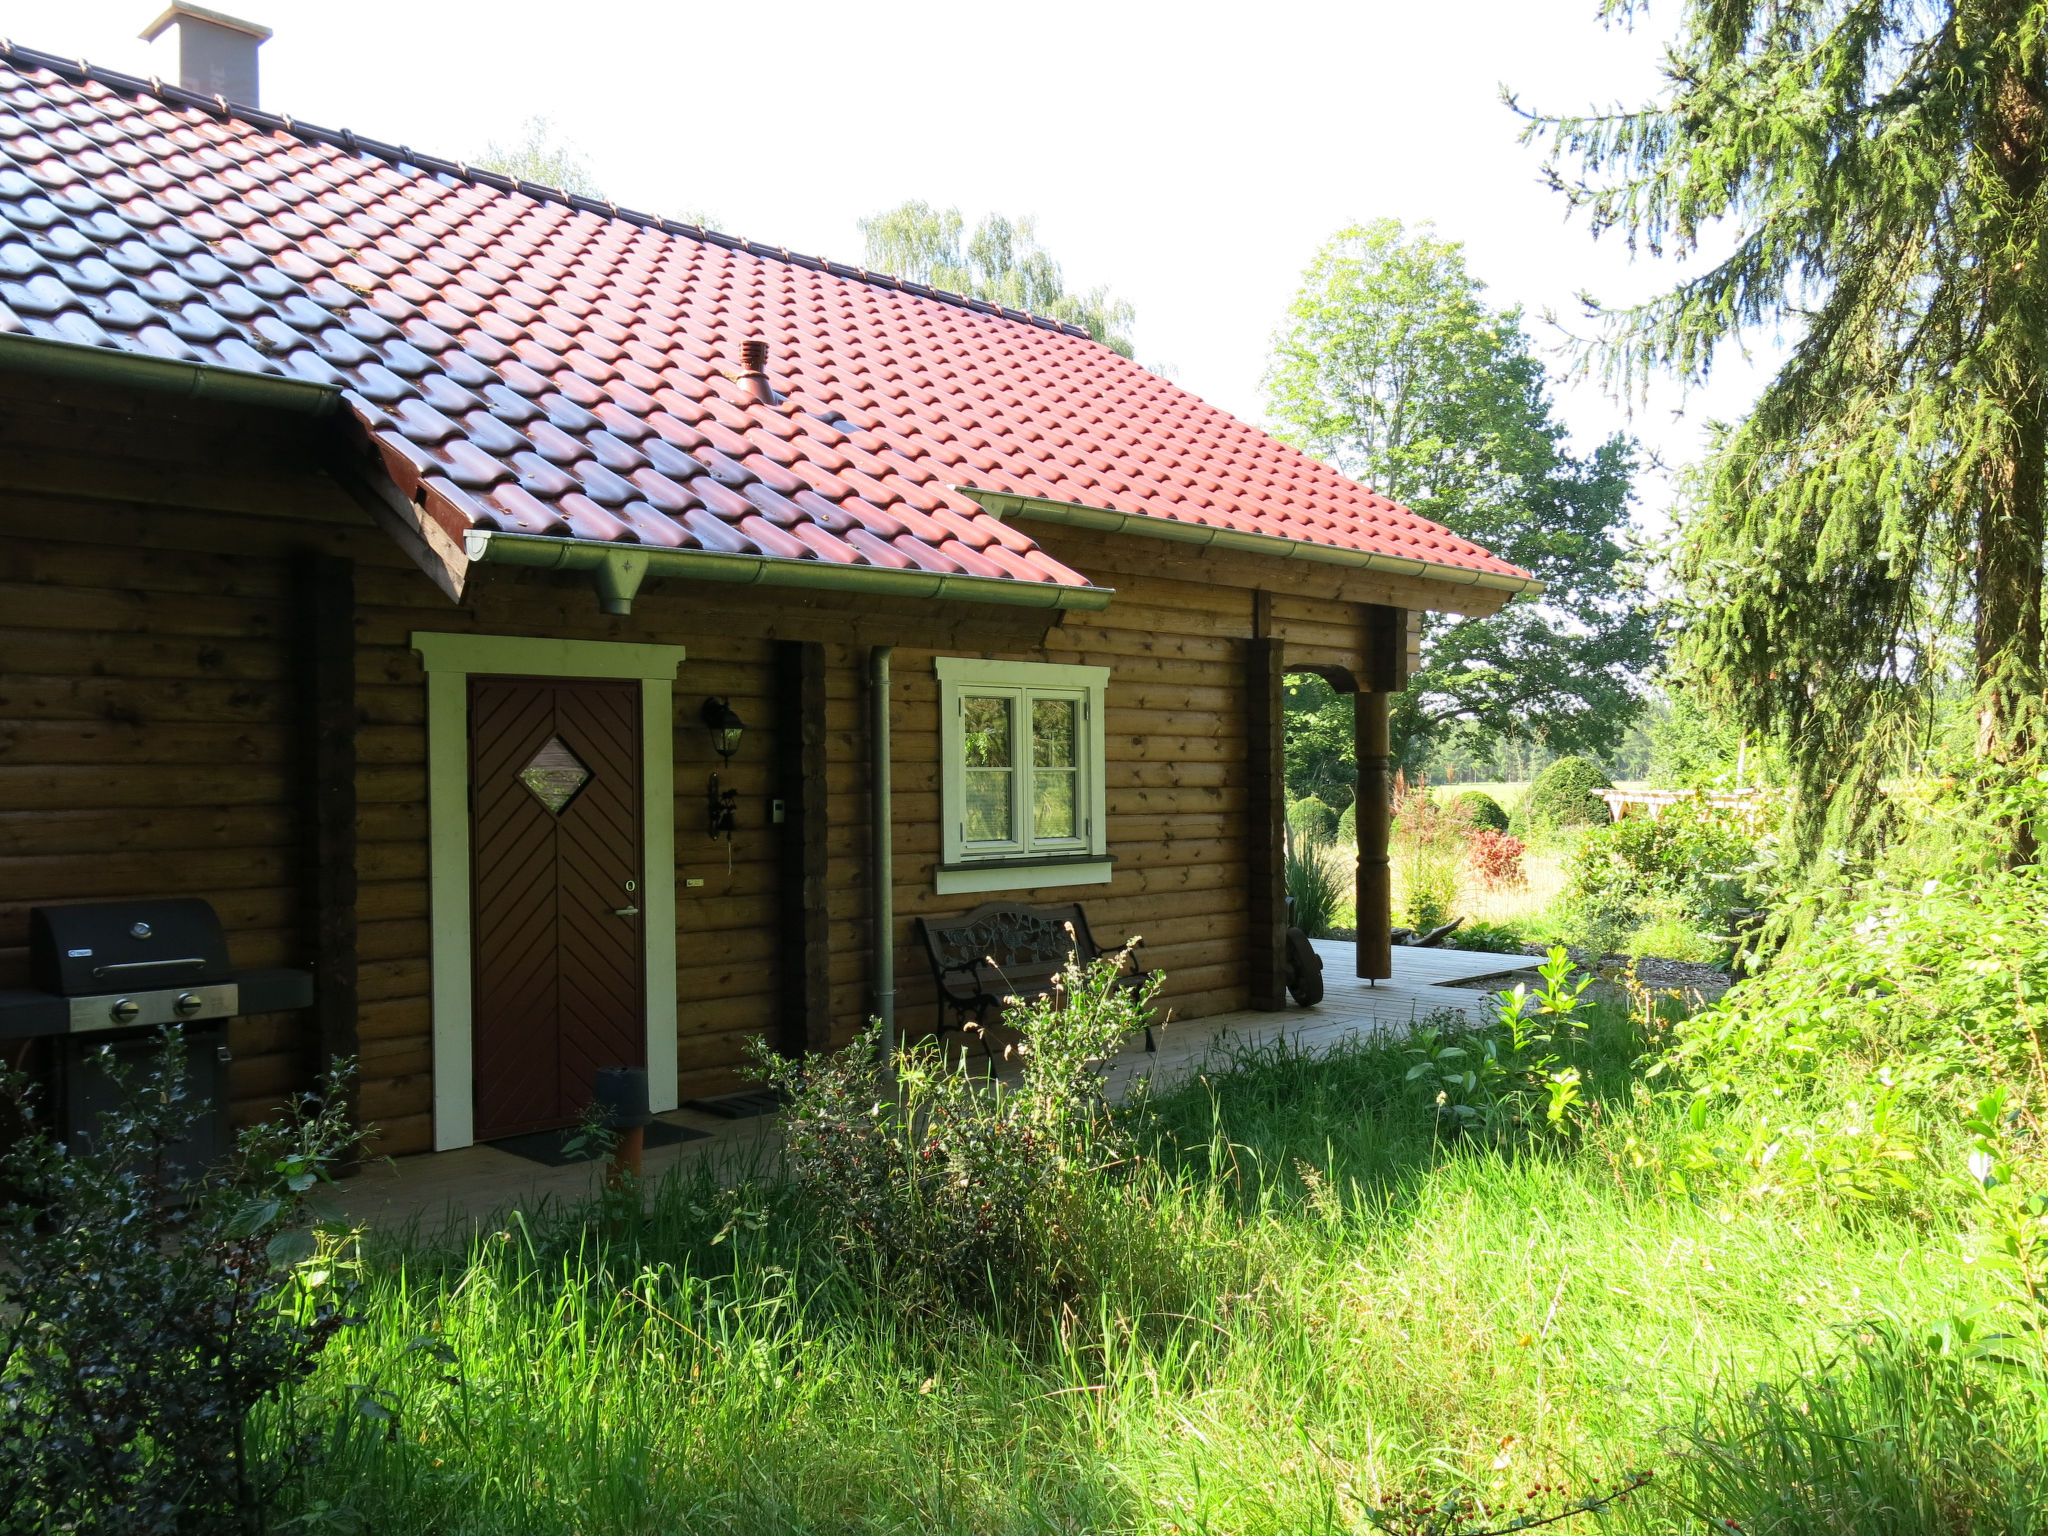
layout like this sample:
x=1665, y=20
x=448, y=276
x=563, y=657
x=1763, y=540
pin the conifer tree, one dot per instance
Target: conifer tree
x=1866, y=179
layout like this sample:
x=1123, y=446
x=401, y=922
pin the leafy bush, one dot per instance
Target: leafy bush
x=1932, y=985
x=1428, y=848
x=1311, y=821
x=960, y=1190
x=1496, y=938
x=1495, y=860
x=1685, y=864
x=1319, y=881
x=1513, y=1075
x=143, y=1319
x=1347, y=825
x=1481, y=810
x=1563, y=797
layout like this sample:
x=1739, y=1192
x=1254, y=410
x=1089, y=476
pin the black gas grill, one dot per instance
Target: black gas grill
x=110, y=973
x=130, y=964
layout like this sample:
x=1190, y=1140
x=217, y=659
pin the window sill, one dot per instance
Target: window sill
x=1023, y=874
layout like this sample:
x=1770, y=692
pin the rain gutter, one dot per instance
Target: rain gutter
x=166, y=375
x=618, y=570
x=1005, y=505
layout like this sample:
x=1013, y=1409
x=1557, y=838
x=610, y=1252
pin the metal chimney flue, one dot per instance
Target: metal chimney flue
x=216, y=53
x=754, y=379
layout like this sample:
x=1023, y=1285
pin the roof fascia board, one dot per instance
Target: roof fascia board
x=1008, y=504
x=166, y=375
x=618, y=570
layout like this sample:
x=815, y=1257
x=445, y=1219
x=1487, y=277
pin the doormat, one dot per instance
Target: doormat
x=545, y=1147
x=740, y=1106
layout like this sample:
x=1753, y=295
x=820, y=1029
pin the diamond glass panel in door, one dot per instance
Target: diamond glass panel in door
x=554, y=775
x=991, y=769
x=1055, y=768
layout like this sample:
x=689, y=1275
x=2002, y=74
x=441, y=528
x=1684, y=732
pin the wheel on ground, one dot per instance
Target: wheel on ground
x=1304, y=969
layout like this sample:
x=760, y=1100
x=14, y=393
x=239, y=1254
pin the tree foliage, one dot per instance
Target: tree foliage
x=1001, y=262
x=538, y=156
x=1875, y=171
x=1393, y=367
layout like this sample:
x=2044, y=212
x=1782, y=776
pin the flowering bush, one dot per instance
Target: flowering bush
x=1495, y=860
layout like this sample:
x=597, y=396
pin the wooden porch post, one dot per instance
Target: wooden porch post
x=326, y=600
x=805, y=985
x=1265, y=820
x=1385, y=674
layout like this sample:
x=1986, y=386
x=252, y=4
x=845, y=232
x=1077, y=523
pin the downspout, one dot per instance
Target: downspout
x=884, y=862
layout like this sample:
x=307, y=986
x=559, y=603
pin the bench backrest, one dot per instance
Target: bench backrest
x=1022, y=941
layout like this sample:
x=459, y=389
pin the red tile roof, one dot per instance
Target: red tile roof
x=527, y=362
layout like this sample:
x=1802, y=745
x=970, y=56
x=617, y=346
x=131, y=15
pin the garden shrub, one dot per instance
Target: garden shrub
x=143, y=1319
x=1347, y=825
x=1685, y=865
x=1311, y=821
x=1932, y=984
x=1563, y=797
x=1495, y=860
x=1482, y=811
x=959, y=1190
x=1498, y=938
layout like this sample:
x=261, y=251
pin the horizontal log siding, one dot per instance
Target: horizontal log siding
x=147, y=746
x=149, y=737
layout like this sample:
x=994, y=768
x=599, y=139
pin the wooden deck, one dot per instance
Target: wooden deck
x=437, y=1190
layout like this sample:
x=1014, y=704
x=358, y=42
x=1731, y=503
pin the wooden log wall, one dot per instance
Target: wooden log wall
x=154, y=699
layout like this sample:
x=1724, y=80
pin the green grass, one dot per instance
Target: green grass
x=1325, y=1306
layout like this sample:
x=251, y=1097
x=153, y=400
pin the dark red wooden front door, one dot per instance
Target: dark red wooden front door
x=555, y=927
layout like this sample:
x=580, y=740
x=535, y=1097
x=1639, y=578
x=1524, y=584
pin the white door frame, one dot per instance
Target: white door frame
x=450, y=661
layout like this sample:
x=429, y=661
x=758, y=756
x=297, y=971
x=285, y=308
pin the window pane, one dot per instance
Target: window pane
x=1052, y=732
x=988, y=805
x=987, y=732
x=1052, y=802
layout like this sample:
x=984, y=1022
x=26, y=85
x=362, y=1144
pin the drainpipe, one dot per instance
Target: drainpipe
x=884, y=853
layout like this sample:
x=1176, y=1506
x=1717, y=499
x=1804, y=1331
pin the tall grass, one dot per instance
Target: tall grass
x=1331, y=1307
x=1318, y=884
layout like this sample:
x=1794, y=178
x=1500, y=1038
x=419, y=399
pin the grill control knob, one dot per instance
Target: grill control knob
x=126, y=1011
x=187, y=1004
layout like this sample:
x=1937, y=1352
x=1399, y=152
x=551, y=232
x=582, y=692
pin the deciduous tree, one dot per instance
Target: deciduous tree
x=1394, y=368
x=1001, y=262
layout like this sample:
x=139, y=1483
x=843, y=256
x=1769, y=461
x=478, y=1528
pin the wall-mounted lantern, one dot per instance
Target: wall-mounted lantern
x=724, y=725
x=723, y=809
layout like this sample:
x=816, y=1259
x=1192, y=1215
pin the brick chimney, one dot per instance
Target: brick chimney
x=216, y=53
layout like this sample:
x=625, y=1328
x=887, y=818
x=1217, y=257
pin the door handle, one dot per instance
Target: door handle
x=625, y=911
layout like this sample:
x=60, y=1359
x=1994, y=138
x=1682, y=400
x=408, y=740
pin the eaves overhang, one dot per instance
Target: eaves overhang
x=1008, y=504
x=619, y=569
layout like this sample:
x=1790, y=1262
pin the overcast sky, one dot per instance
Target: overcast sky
x=1191, y=157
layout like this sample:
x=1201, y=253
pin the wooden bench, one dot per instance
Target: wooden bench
x=1003, y=949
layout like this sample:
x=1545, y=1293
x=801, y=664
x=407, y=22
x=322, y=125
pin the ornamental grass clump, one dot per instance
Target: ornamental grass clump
x=960, y=1190
x=1428, y=852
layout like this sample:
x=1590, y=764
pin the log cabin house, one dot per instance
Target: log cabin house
x=387, y=547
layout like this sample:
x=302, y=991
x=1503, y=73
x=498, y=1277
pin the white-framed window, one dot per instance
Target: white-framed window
x=1022, y=792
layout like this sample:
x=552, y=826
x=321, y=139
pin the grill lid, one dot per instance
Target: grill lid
x=121, y=946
